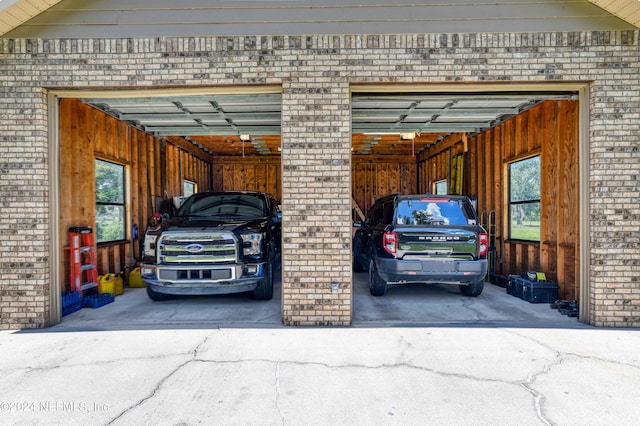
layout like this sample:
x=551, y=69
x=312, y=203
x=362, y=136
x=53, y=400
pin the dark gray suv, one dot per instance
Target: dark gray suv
x=421, y=238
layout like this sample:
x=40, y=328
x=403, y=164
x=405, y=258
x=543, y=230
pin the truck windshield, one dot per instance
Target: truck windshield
x=430, y=212
x=223, y=205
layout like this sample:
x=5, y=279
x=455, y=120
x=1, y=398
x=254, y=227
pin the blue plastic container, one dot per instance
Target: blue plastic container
x=97, y=300
x=71, y=302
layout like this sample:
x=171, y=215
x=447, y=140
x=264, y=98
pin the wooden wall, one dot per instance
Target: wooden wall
x=373, y=177
x=550, y=130
x=155, y=171
x=434, y=164
x=248, y=174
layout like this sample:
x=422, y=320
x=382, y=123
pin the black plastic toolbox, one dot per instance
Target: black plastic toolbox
x=533, y=291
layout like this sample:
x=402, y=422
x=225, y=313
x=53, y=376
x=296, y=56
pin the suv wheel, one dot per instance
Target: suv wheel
x=264, y=289
x=472, y=290
x=377, y=286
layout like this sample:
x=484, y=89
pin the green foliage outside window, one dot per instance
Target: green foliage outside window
x=524, y=199
x=110, y=202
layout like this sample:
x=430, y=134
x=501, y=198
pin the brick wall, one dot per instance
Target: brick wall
x=316, y=73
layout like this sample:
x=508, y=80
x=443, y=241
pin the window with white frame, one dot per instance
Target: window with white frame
x=440, y=187
x=189, y=188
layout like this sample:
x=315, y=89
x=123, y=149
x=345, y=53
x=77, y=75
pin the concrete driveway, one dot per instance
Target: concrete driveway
x=419, y=355
x=405, y=305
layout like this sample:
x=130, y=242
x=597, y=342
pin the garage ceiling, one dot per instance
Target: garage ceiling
x=408, y=123
x=382, y=123
x=214, y=123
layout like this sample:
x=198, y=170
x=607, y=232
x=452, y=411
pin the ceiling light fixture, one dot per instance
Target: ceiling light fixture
x=408, y=136
x=245, y=138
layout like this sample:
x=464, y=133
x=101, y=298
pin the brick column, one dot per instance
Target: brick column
x=316, y=193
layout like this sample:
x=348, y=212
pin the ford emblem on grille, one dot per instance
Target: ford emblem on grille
x=194, y=248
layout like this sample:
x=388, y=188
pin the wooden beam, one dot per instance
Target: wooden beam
x=358, y=210
x=254, y=159
x=374, y=159
x=190, y=148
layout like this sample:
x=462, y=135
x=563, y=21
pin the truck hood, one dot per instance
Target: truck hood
x=225, y=224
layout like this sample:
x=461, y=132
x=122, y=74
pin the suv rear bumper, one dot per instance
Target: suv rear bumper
x=238, y=280
x=395, y=271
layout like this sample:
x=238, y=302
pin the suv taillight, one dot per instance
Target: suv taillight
x=483, y=244
x=390, y=242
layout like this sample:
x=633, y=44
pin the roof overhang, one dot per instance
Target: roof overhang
x=14, y=13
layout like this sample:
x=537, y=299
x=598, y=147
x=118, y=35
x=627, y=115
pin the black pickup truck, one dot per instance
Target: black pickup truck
x=217, y=243
x=421, y=239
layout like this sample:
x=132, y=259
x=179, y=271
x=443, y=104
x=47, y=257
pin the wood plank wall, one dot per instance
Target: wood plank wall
x=375, y=176
x=372, y=177
x=550, y=130
x=155, y=170
x=248, y=174
x=434, y=164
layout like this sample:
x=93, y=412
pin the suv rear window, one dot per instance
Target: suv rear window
x=430, y=211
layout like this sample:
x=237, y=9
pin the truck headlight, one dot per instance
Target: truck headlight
x=252, y=244
x=150, y=245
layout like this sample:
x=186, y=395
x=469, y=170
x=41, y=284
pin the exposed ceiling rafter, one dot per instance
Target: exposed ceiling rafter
x=216, y=122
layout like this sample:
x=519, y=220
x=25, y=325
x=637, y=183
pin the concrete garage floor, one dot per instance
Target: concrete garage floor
x=402, y=306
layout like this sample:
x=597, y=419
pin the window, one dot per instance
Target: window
x=431, y=212
x=440, y=187
x=110, y=202
x=189, y=188
x=524, y=199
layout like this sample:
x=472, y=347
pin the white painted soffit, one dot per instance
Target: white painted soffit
x=14, y=13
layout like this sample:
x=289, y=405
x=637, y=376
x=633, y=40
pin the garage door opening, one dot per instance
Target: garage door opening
x=513, y=153
x=125, y=157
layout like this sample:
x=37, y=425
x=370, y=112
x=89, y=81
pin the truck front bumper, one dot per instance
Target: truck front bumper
x=431, y=271
x=201, y=279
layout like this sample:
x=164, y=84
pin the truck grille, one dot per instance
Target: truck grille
x=191, y=247
x=175, y=275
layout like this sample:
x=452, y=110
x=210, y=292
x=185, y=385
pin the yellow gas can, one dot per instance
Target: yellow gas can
x=135, y=278
x=110, y=283
x=106, y=284
x=118, y=285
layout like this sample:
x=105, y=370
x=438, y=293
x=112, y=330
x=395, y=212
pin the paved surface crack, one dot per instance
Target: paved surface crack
x=538, y=398
x=468, y=303
x=152, y=394
x=161, y=382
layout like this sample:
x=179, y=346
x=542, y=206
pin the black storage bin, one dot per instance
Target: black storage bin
x=539, y=291
x=533, y=291
x=514, y=285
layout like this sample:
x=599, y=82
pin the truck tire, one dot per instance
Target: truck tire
x=154, y=295
x=473, y=290
x=377, y=286
x=264, y=289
